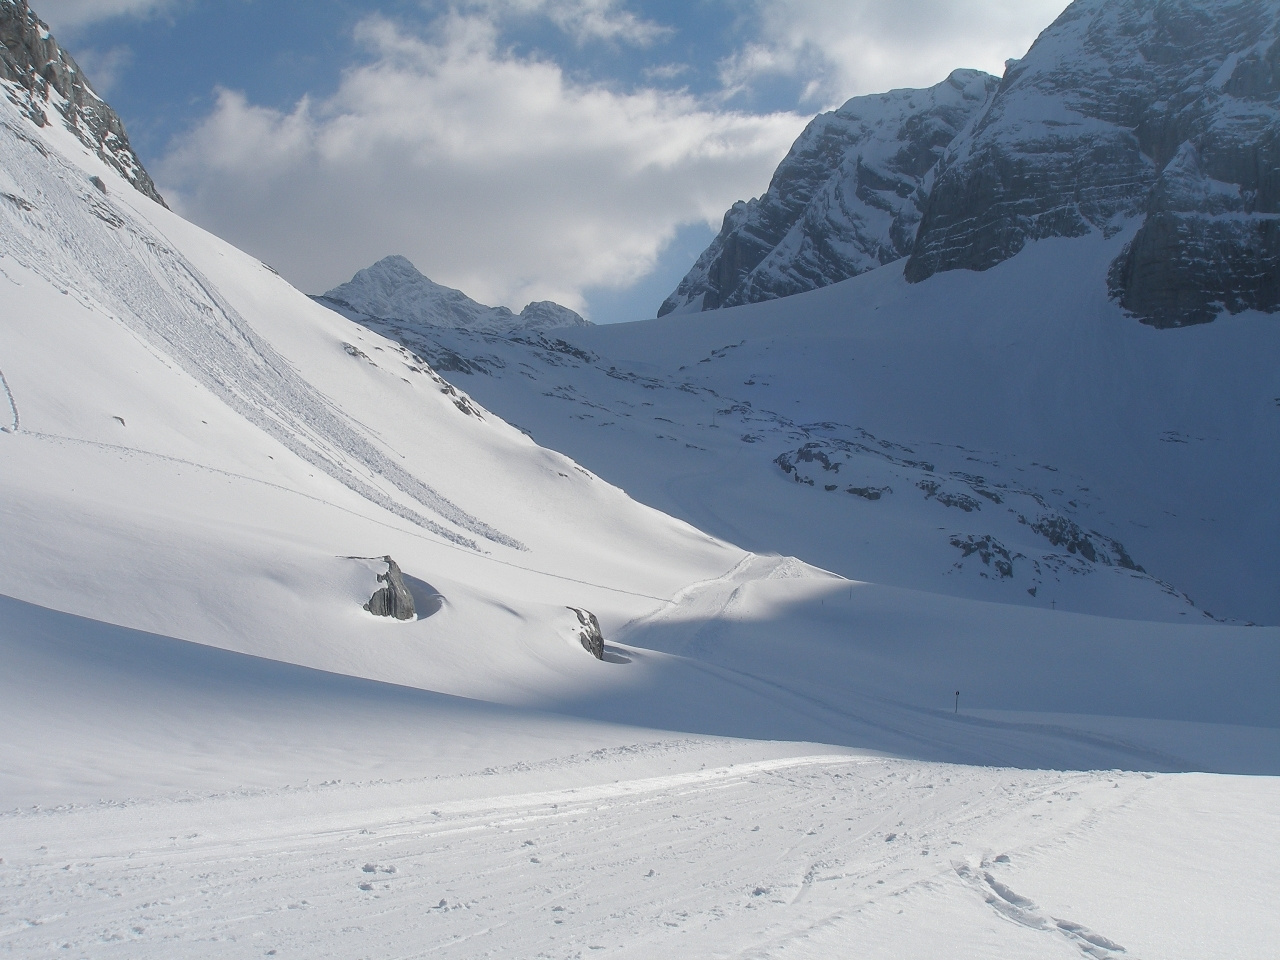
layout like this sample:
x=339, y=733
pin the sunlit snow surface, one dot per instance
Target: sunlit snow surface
x=211, y=750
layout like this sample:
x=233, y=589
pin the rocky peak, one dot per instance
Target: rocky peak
x=394, y=289
x=39, y=76
x=846, y=199
x=1159, y=115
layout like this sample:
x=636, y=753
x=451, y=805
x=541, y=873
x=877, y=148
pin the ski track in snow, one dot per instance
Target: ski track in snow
x=703, y=860
x=116, y=264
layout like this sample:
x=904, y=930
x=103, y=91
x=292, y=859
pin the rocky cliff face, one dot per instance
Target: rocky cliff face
x=40, y=77
x=846, y=199
x=393, y=289
x=1164, y=114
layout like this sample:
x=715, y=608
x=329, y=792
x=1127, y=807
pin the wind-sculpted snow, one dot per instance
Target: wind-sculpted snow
x=393, y=289
x=1163, y=114
x=42, y=76
x=845, y=200
x=63, y=228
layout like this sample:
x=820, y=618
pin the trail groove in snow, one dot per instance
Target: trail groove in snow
x=15, y=423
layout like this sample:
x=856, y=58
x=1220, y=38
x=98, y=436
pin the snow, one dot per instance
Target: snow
x=210, y=749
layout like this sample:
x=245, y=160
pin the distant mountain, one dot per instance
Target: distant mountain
x=393, y=289
x=1154, y=119
x=846, y=199
x=45, y=78
x=1162, y=117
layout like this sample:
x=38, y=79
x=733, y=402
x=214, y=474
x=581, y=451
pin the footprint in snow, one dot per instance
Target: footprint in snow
x=1019, y=909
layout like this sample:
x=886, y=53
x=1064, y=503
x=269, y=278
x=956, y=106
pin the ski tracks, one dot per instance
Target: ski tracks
x=724, y=858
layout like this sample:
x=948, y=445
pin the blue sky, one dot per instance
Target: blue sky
x=577, y=150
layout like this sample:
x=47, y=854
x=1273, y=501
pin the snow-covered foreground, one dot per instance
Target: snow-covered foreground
x=210, y=748
x=799, y=856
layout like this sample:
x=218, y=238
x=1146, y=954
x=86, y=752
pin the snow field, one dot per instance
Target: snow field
x=797, y=857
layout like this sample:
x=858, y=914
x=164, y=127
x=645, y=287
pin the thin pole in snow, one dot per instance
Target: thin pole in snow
x=957, y=702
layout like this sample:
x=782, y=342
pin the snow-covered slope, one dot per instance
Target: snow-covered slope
x=845, y=200
x=997, y=435
x=392, y=290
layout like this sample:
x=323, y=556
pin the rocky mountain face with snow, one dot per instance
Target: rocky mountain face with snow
x=43, y=78
x=1158, y=117
x=847, y=198
x=1164, y=115
x=393, y=290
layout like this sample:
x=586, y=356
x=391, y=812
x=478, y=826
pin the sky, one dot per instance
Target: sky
x=582, y=151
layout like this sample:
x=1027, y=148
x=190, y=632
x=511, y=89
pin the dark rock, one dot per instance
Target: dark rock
x=590, y=636
x=990, y=551
x=43, y=76
x=393, y=600
x=1093, y=546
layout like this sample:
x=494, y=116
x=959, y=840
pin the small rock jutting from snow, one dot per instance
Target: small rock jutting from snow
x=590, y=635
x=393, y=600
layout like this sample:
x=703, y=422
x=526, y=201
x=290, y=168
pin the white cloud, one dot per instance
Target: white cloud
x=584, y=20
x=844, y=48
x=493, y=173
x=69, y=14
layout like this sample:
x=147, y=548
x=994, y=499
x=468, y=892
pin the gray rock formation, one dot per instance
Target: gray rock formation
x=393, y=289
x=846, y=199
x=1163, y=112
x=393, y=600
x=590, y=635
x=41, y=77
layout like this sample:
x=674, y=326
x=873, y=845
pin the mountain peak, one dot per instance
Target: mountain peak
x=394, y=289
x=38, y=75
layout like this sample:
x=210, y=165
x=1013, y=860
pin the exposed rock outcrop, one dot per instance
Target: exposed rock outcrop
x=393, y=289
x=846, y=199
x=590, y=636
x=1162, y=111
x=393, y=600
x=41, y=77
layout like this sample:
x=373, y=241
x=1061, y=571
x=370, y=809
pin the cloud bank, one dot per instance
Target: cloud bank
x=494, y=173
x=845, y=48
x=67, y=15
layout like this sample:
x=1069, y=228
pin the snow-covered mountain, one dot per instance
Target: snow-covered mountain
x=40, y=76
x=846, y=199
x=393, y=291
x=1158, y=120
